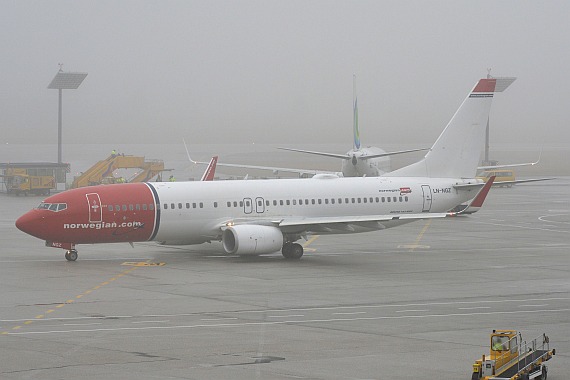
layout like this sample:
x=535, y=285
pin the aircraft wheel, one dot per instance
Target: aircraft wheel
x=286, y=250
x=71, y=255
x=296, y=252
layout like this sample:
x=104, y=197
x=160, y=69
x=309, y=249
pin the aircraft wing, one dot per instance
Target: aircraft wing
x=348, y=157
x=499, y=183
x=334, y=155
x=347, y=223
x=391, y=153
x=272, y=168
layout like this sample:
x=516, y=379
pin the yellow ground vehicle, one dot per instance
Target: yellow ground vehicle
x=501, y=175
x=102, y=171
x=18, y=182
x=511, y=358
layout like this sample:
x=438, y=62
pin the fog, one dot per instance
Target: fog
x=280, y=72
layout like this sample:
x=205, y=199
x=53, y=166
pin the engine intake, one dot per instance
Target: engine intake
x=248, y=239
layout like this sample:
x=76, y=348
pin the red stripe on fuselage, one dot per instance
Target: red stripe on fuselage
x=125, y=213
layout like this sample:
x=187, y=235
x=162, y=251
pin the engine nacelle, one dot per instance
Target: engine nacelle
x=249, y=239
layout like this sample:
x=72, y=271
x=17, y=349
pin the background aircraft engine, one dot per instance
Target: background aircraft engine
x=252, y=239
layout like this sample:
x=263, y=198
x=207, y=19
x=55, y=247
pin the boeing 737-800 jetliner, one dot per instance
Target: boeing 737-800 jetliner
x=264, y=216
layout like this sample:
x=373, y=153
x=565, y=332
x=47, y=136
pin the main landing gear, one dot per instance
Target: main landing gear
x=292, y=251
x=71, y=255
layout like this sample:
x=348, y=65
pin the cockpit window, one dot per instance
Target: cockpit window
x=55, y=207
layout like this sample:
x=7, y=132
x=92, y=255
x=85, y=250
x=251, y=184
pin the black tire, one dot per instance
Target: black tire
x=296, y=251
x=544, y=373
x=475, y=376
x=71, y=255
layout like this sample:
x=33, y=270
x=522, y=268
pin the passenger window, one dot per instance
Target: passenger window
x=267, y=203
x=307, y=202
x=388, y=198
x=288, y=202
x=371, y=200
x=353, y=200
x=365, y=200
x=235, y=204
x=240, y=203
x=193, y=205
x=144, y=207
x=215, y=204
x=201, y=205
x=229, y=204
x=401, y=199
x=406, y=198
x=294, y=202
x=383, y=199
x=320, y=201
x=326, y=201
x=166, y=206
x=131, y=208
x=124, y=207
x=179, y=205
x=377, y=200
x=339, y=200
x=151, y=206
x=346, y=200
x=138, y=207
x=110, y=207
x=359, y=200
x=172, y=206
x=394, y=199
x=275, y=203
x=187, y=205
x=312, y=201
x=117, y=208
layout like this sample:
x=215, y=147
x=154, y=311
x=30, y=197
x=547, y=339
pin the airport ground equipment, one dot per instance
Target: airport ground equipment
x=102, y=171
x=511, y=358
x=18, y=182
x=32, y=177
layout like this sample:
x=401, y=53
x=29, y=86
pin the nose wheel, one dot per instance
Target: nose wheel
x=71, y=255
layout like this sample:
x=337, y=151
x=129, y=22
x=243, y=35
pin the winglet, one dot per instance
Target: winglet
x=210, y=170
x=477, y=202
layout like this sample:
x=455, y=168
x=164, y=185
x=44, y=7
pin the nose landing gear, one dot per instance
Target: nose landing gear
x=71, y=255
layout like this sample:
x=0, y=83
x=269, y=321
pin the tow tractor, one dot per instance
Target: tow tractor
x=511, y=358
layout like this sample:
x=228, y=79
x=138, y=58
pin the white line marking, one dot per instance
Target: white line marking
x=150, y=321
x=285, y=316
x=356, y=312
x=533, y=305
x=222, y=325
x=411, y=311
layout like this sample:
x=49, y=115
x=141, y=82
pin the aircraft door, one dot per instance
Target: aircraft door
x=247, y=206
x=259, y=205
x=95, y=211
x=427, y=198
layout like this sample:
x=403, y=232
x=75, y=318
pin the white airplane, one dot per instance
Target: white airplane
x=360, y=161
x=264, y=216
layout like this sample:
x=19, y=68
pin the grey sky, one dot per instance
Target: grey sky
x=280, y=71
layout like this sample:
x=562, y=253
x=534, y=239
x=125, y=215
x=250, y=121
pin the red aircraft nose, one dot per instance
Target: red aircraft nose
x=31, y=223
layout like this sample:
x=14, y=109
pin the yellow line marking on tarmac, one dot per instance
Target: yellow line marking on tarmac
x=70, y=301
x=419, y=238
x=312, y=239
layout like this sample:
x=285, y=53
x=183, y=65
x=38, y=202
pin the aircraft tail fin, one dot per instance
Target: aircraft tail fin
x=457, y=151
x=355, y=132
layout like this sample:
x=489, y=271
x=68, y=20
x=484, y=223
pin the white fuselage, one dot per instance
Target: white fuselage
x=194, y=212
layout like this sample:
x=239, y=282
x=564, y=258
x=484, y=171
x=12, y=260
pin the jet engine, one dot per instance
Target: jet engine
x=248, y=239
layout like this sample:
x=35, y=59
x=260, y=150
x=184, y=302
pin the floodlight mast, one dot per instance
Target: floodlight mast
x=64, y=81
